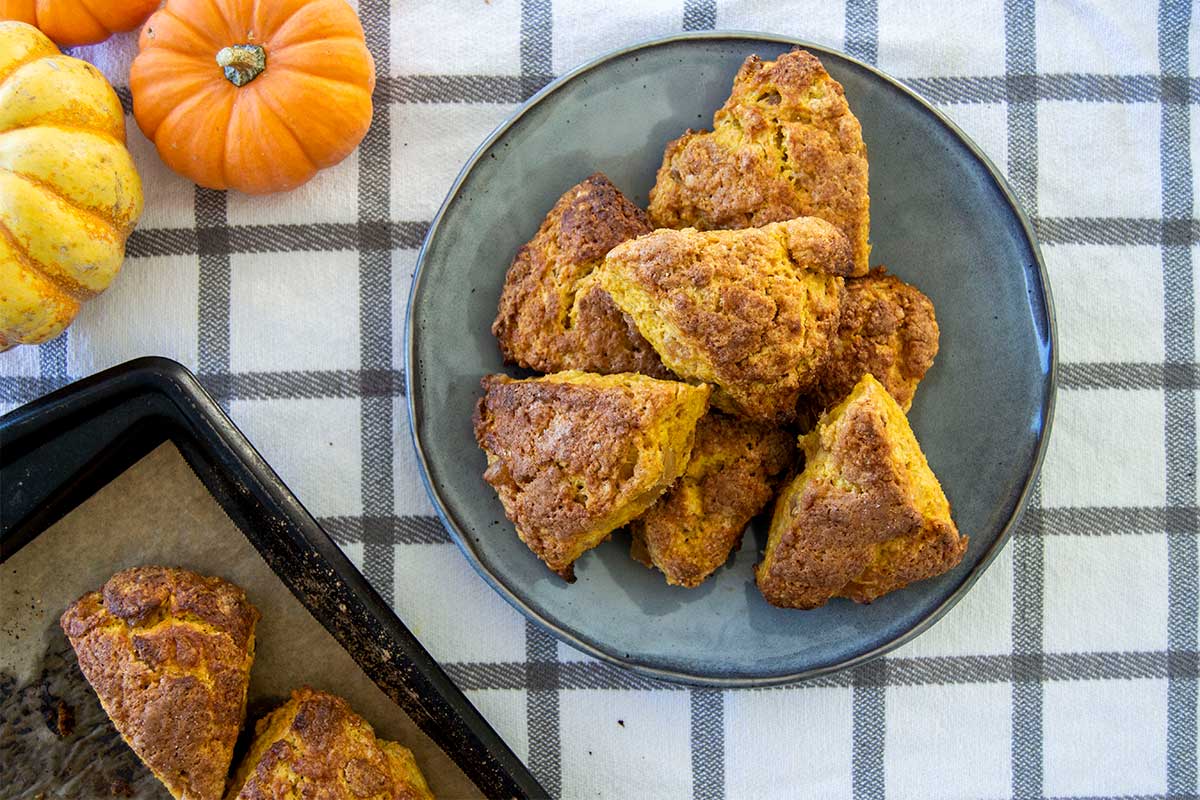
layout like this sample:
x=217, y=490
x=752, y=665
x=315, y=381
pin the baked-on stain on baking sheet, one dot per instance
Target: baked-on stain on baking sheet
x=55, y=741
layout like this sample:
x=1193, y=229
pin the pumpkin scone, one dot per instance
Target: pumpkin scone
x=784, y=145
x=168, y=653
x=888, y=329
x=751, y=311
x=315, y=746
x=867, y=516
x=731, y=476
x=574, y=456
x=552, y=315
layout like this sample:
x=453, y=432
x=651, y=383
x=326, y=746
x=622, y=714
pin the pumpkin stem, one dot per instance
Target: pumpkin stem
x=242, y=62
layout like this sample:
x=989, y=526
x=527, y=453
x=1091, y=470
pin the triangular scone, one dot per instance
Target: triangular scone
x=731, y=476
x=784, y=145
x=887, y=329
x=867, y=516
x=551, y=316
x=751, y=311
x=168, y=652
x=574, y=456
x=315, y=746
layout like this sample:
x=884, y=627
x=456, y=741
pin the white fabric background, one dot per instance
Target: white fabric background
x=1069, y=670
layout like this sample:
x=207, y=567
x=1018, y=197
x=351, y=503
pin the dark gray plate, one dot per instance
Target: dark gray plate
x=942, y=218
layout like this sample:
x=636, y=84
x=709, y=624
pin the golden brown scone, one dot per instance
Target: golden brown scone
x=691, y=530
x=867, y=516
x=168, y=653
x=314, y=747
x=752, y=311
x=552, y=317
x=574, y=456
x=887, y=329
x=784, y=145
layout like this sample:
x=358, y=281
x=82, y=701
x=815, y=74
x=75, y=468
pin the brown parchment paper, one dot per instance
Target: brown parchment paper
x=157, y=512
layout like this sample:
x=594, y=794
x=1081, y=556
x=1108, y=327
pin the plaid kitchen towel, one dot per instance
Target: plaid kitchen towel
x=1069, y=671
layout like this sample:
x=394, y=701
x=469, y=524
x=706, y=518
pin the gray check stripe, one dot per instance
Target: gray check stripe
x=1116, y=231
x=862, y=30
x=917, y=671
x=542, y=680
x=708, y=744
x=1020, y=65
x=281, y=385
x=1073, y=87
x=474, y=89
x=869, y=684
x=389, y=530
x=1179, y=433
x=952, y=90
x=1107, y=521
x=1128, y=375
x=52, y=365
x=248, y=239
x=1036, y=522
x=212, y=245
x=699, y=15
x=373, y=241
x=541, y=650
x=350, y=383
x=347, y=383
x=869, y=681
x=408, y=235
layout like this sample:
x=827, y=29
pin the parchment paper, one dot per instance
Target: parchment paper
x=157, y=512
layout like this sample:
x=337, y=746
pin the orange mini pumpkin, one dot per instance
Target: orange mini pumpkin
x=254, y=96
x=71, y=23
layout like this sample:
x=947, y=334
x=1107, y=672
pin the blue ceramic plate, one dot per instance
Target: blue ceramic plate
x=941, y=218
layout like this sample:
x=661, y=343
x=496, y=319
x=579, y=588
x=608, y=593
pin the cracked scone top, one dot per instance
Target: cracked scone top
x=751, y=311
x=574, y=456
x=552, y=316
x=730, y=477
x=866, y=517
x=168, y=653
x=784, y=145
x=888, y=329
x=315, y=746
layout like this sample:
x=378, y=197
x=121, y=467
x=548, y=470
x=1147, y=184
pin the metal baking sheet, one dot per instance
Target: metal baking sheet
x=55, y=741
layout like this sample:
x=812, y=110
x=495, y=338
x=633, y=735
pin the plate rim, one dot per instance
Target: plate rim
x=575, y=640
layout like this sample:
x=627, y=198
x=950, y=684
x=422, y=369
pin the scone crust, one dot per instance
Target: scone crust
x=784, y=145
x=573, y=456
x=888, y=329
x=752, y=311
x=315, y=746
x=866, y=517
x=551, y=317
x=168, y=652
x=691, y=530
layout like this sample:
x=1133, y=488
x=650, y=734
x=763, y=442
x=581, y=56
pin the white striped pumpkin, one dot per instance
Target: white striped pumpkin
x=69, y=192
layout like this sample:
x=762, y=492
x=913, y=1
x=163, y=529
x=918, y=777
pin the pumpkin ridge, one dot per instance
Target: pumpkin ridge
x=88, y=13
x=75, y=204
x=71, y=124
x=319, y=77
x=266, y=102
x=197, y=32
x=57, y=125
x=256, y=17
x=282, y=24
x=65, y=283
x=19, y=65
x=186, y=106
